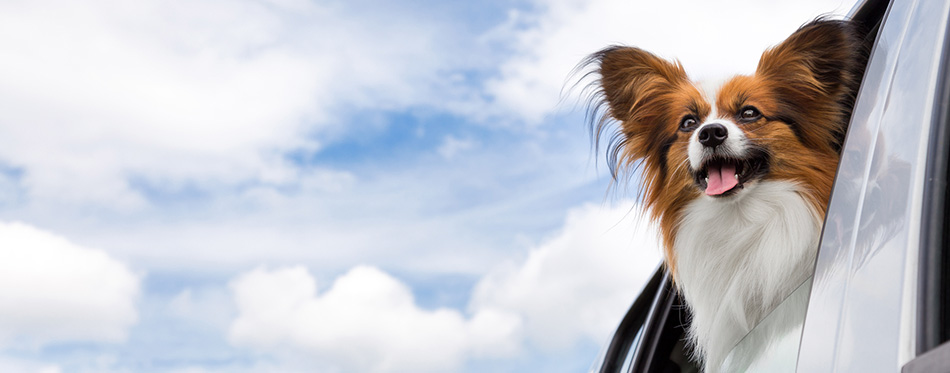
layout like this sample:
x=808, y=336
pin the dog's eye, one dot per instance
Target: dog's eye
x=749, y=114
x=688, y=123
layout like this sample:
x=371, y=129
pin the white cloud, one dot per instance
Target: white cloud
x=367, y=321
x=713, y=40
x=205, y=92
x=572, y=287
x=52, y=290
x=579, y=283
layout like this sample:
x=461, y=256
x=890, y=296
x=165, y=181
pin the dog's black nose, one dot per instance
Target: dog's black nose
x=713, y=134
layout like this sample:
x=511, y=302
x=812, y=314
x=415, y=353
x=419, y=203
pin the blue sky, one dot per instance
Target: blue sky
x=339, y=186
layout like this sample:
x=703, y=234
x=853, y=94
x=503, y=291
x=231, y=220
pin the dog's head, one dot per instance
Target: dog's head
x=784, y=122
x=769, y=125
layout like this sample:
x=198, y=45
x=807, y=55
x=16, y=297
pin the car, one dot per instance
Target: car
x=879, y=299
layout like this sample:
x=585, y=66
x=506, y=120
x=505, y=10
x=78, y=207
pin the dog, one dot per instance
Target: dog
x=737, y=182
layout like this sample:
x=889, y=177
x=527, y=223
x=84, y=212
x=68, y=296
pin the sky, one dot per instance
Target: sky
x=335, y=186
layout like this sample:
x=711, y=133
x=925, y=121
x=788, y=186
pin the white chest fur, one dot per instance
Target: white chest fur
x=737, y=257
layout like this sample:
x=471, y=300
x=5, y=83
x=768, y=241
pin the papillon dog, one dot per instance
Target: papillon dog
x=738, y=182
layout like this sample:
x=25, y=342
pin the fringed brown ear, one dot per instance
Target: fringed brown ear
x=636, y=88
x=816, y=72
x=632, y=79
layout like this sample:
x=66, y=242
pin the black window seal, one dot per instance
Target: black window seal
x=645, y=356
x=932, y=276
x=623, y=338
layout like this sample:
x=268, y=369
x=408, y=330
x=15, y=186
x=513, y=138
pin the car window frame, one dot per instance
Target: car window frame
x=631, y=325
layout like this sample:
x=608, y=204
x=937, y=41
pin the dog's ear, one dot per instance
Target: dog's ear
x=637, y=89
x=633, y=80
x=816, y=71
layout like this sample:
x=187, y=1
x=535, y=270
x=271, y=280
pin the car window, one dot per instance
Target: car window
x=772, y=345
x=619, y=352
x=651, y=337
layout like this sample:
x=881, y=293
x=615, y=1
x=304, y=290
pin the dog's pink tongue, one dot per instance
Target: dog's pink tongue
x=722, y=178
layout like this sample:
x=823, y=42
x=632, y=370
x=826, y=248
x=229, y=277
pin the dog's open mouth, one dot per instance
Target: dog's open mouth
x=720, y=177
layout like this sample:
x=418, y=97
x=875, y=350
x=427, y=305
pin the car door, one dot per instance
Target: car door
x=863, y=308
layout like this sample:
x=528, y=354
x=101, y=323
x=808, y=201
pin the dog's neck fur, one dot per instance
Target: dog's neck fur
x=739, y=256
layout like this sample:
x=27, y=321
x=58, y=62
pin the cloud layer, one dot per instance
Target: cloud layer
x=203, y=93
x=367, y=321
x=577, y=284
x=52, y=290
x=571, y=288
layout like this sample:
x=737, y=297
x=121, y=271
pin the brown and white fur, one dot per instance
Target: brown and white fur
x=738, y=182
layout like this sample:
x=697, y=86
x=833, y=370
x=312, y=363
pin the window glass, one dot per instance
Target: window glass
x=772, y=346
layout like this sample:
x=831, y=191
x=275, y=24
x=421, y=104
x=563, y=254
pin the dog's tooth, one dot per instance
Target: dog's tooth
x=737, y=176
x=707, y=179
